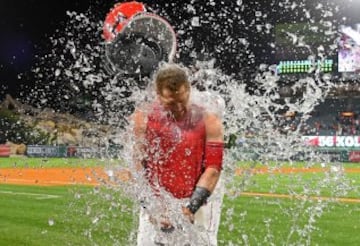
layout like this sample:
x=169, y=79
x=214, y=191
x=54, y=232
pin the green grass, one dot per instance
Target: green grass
x=273, y=221
x=80, y=215
x=295, y=164
x=311, y=184
x=35, y=162
x=79, y=162
x=71, y=219
x=77, y=216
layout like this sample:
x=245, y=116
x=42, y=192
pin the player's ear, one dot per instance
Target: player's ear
x=158, y=92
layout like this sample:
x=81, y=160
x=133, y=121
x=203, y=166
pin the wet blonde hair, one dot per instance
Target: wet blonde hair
x=172, y=77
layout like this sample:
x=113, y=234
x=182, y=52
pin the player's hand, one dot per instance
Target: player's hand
x=166, y=225
x=188, y=214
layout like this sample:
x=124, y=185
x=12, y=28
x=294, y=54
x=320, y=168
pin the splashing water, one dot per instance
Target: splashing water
x=252, y=115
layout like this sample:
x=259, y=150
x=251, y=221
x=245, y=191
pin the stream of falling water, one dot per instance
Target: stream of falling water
x=75, y=62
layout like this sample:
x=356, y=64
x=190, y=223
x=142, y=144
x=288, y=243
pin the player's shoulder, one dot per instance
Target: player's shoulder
x=214, y=127
x=140, y=113
x=145, y=111
x=211, y=117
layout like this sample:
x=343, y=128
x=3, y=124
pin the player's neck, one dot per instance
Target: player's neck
x=178, y=116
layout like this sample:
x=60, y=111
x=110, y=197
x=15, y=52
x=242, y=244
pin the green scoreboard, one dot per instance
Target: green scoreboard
x=304, y=66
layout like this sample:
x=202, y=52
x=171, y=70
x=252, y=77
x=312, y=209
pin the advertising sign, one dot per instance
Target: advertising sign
x=4, y=150
x=46, y=151
x=332, y=141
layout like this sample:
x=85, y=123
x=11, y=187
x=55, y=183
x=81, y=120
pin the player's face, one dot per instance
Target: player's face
x=175, y=101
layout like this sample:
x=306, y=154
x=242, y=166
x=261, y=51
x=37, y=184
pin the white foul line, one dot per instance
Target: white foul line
x=322, y=198
x=38, y=196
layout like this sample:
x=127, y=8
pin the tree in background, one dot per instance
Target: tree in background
x=13, y=129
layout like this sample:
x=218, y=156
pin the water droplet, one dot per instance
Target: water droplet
x=195, y=21
x=51, y=222
x=95, y=220
x=57, y=72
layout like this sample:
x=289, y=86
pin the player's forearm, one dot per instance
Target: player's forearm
x=209, y=179
x=203, y=190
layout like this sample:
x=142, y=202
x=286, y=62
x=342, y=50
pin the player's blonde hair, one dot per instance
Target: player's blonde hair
x=172, y=77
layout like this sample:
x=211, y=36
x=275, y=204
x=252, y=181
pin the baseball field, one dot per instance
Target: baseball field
x=59, y=201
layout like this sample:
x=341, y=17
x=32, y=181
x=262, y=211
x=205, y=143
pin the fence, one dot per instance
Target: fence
x=72, y=151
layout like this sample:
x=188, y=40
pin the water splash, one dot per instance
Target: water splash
x=74, y=68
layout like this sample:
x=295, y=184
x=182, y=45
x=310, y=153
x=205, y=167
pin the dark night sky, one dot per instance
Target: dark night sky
x=26, y=26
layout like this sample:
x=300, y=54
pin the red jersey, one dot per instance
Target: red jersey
x=175, y=150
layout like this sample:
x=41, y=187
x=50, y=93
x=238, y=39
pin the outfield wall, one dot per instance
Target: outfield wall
x=339, y=148
x=333, y=148
x=71, y=151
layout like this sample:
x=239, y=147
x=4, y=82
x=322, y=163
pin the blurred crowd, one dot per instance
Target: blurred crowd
x=340, y=124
